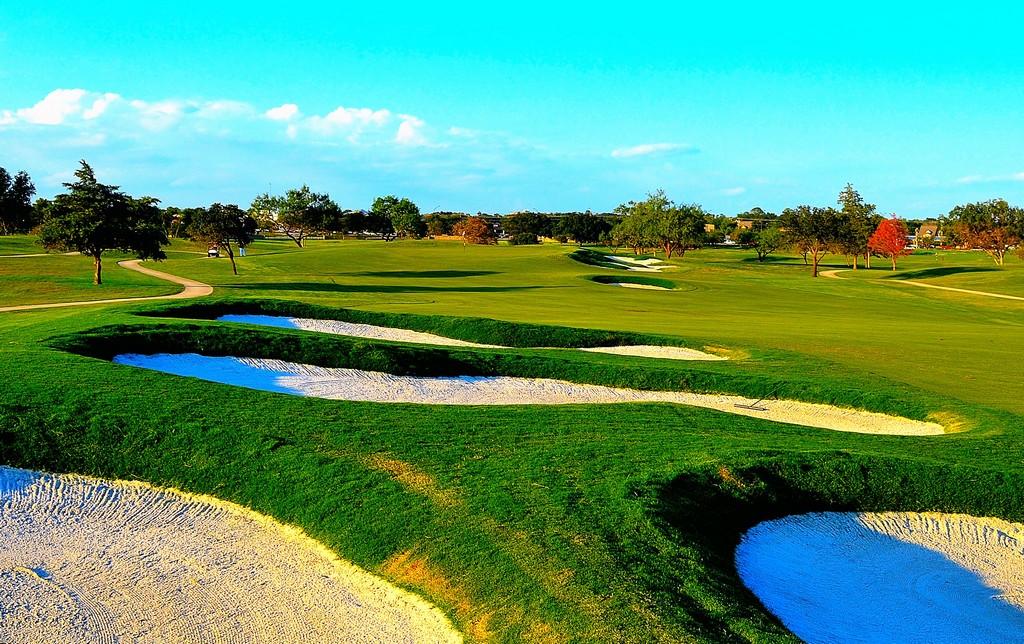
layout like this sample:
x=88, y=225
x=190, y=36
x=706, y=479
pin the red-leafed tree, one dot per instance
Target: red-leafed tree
x=890, y=240
x=475, y=230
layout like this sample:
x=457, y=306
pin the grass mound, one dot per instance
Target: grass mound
x=594, y=258
x=469, y=329
x=703, y=514
x=634, y=279
x=726, y=377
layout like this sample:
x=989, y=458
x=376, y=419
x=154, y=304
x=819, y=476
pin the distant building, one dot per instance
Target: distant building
x=746, y=224
x=927, y=234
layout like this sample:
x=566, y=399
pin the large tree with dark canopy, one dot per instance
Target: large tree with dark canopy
x=92, y=218
x=812, y=231
x=16, y=212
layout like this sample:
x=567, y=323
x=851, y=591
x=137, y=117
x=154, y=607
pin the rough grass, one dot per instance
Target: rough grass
x=575, y=523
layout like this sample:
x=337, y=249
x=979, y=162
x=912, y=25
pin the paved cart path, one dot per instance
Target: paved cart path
x=192, y=289
x=833, y=275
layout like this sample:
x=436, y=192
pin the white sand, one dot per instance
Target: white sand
x=85, y=560
x=889, y=577
x=649, y=287
x=353, y=384
x=655, y=351
x=404, y=335
x=356, y=330
x=634, y=260
x=634, y=264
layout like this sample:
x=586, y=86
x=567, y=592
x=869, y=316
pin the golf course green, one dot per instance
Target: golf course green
x=533, y=523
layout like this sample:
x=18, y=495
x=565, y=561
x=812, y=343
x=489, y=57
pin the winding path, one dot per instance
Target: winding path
x=833, y=275
x=192, y=289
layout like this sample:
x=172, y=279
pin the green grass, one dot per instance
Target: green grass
x=564, y=523
x=634, y=279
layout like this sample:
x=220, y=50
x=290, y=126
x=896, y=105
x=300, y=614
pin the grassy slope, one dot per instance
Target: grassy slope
x=67, y=278
x=565, y=523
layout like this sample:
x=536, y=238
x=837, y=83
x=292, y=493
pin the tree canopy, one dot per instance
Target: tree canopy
x=993, y=226
x=92, y=218
x=526, y=227
x=858, y=221
x=657, y=222
x=403, y=215
x=16, y=212
x=475, y=230
x=812, y=231
x=219, y=224
x=890, y=239
x=298, y=213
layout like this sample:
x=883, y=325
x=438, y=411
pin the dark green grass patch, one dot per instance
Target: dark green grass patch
x=633, y=279
x=595, y=258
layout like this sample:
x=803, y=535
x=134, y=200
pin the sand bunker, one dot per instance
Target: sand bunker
x=404, y=335
x=85, y=560
x=354, y=384
x=889, y=577
x=649, y=287
x=654, y=351
x=355, y=330
x=633, y=264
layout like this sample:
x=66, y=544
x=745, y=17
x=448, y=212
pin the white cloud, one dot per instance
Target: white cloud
x=652, y=148
x=285, y=112
x=55, y=108
x=732, y=192
x=100, y=105
x=409, y=131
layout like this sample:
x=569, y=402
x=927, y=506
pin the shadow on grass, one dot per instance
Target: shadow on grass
x=371, y=288
x=943, y=271
x=771, y=259
x=424, y=274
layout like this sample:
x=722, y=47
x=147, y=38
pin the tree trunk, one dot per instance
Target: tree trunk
x=894, y=262
x=231, y=256
x=97, y=263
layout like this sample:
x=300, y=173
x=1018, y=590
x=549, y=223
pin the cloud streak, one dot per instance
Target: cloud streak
x=653, y=149
x=1002, y=178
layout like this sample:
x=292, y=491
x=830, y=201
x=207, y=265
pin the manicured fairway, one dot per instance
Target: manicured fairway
x=529, y=523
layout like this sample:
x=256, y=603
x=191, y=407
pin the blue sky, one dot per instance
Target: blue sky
x=527, y=106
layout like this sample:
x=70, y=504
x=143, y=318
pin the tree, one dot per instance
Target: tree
x=992, y=226
x=16, y=212
x=92, y=218
x=765, y=242
x=812, y=230
x=681, y=228
x=440, y=223
x=219, y=224
x=475, y=230
x=403, y=214
x=526, y=227
x=581, y=227
x=304, y=212
x=656, y=222
x=298, y=214
x=857, y=222
x=890, y=239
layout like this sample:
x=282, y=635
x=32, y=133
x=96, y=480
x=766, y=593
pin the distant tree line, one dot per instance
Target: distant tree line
x=92, y=217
